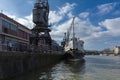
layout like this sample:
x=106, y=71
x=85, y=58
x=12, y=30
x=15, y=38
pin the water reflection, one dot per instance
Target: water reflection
x=94, y=68
x=64, y=71
x=75, y=66
x=41, y=74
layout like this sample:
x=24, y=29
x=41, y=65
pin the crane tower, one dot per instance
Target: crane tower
x=40, y=19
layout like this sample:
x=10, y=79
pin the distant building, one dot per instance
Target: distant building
x=13, y=35
x=117, y=50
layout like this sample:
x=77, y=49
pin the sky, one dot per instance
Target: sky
x=97, y=22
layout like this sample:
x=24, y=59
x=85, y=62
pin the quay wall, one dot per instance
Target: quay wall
x=16, y=63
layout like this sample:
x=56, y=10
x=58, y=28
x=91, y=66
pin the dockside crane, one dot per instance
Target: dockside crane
x=40, y=19
x=67, y=35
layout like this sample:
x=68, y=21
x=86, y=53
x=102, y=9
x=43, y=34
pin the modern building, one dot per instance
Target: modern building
x=13, y=35
x=117, y=50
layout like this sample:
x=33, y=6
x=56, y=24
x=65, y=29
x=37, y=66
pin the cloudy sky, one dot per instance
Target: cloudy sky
x=97, y=22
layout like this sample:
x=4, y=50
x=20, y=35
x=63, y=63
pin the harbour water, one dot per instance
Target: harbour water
x=94, y=68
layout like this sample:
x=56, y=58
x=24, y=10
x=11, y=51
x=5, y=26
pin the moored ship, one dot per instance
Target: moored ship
x=73, y=47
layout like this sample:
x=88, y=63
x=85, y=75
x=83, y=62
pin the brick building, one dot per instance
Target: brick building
x=13, y=35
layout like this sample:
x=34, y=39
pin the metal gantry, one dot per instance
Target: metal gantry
x=40, y=19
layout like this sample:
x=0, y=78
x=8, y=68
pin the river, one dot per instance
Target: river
x=94, y=68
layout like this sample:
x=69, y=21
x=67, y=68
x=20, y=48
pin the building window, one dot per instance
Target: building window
x=23, y=34
x=9, y=28
x=5, y=26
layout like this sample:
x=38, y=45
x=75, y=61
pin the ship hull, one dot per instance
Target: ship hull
x=74, y=55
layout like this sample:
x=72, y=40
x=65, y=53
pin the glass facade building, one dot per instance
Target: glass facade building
x=13, y=35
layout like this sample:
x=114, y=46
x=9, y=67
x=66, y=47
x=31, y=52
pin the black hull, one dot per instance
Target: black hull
x=74, y=56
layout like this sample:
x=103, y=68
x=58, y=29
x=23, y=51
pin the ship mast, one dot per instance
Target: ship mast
x=73, y=27
x=69, y=31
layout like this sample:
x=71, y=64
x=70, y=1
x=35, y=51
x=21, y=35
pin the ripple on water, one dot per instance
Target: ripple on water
x=94, y=68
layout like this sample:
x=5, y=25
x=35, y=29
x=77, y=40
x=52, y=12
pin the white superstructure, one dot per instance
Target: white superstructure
x=73, y=43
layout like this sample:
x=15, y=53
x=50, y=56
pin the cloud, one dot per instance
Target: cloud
x=83, y=28
x=108, y=38
x=84, y=15
x=26, y=20
x=106, y=8
x=68, y=7
x=112, y=25
x=54, y=17
x=112, y=30
x=70, y=15
x=59, y=31
x=58, y=15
